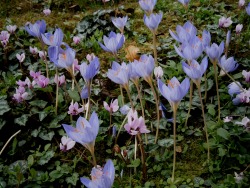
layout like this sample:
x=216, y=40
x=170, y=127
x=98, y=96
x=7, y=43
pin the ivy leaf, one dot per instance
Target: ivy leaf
x=74, y=95
x=135, y=163
x=45, y=158
x=166, y=142
x=4, y=107
x=211, y=109
x=2, y=123
x=73, y=179
x=55, y=122
x=223, y=133
x=38, y=103
x=46, y=136
x=22, y=120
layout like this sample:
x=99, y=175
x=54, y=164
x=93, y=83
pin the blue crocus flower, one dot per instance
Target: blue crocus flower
x=248, y=9
x=101, y=177
x=234, y=89
x=184, y=2
x=120, y=22
x=119, y=74
x=147, y=5
x=152, y=21
x=36, y=29
x=175, y=90
x=85, y=131
x=113, y=42
x=214, y=52
x=184, y=33
x=206, y=39
x=53, y=39
x=89, y=71
x=145, y=66
x=195, y=70
x=228, y=65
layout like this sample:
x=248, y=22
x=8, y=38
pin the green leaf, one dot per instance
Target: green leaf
x=166, y=142
x=22, y=120
x=223, y=133
x=2, y=123
x=46, y=136
x=30, y=160
x=135, y=163
x=55, y=122
x=211, y=109
x=45, y=158
x=4, y=107
x=42, y=115
x=74, y=95
x=38, y=103
x=73, y=179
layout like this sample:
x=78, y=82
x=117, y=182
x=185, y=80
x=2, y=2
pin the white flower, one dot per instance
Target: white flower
x=238, y=177
x=158, y=72
x=20, y=57
x=227, y=119
x=66, y=143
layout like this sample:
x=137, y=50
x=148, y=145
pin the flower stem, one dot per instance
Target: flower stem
x=122, y=95
x=174, y=107
x=205, y=79
x=93, y=156
x=190, y=102
x=140, y=98
x=45, y=60
x=129, y=96
x=204, y=119
x=57, y=90
x=9, y=141
x=143, y=157
x=217, y=86
x=155, y=49
x=88, y=108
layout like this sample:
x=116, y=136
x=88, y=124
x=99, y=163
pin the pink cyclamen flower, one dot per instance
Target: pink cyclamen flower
x=238, y=28
x=158, y=72
x=11, y=28
x=60, y=80
x=113, y=106
x=47, y=12
x=66, y=143
x=225, y=22
x=76, y=65
x=4, y=38
x=76, y=40
x=35, y=75
x=74, y=109
x=227, y=119
x=20, y=57
x=241, y=3
x=246, y=75
x=135, y=125
x=245, y=122
x=42, y=54
x=21, y=83
x=20, y=94
x=29, y=83
x=34, y=50
x=42, y=81
x=90, y=57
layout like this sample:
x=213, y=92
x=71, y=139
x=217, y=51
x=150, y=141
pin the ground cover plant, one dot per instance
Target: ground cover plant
x=125, y=94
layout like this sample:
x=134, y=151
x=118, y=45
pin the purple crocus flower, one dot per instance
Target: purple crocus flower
x=89, y=71
x=234, y=88
x=184, y=33
x=175, y=90
x=113, y=107
x=85, y=92
x=35, y=75
x=135, y=125
x=228, y=38
x=205, y=39
x=214, y=52
x=195, y=70
x=246, y=75
x=36, y=29
x=147, y=5
x=101, y=177
x=85, y=132
x=113, y=42
x=53, y=39
x=228, y=65
x=152, y=21
x=119, y=74
x=184, y=2
x=120, y=22
x=248, y=9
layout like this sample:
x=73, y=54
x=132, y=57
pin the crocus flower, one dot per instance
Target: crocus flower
x=234, y=88
x=184, y=2
x=36, y=29
x=152, y=21
x=20, y=57
x=238, y=28
x=11, y=28
x=147, y=5
x=238, y=177
x=59, y=79
x=135, y=125
x=125, y=109
x=241, y=3
x=228, y=38
x=113, y=107
x=66, y=143
x=158, y=72
x=47, y=11
x=228, y=65
x=76, y=40
x=89, y=71
x=42, y=81
x=175, y=90
x=85, y=131
x=225, y=22
x=120, y=22
x=53, y=39
x=214, y=52
x=101, y=177
x=195, y=70
x=34, y=50
x=74, y=109
x=205, y=39
x=113, y=42
x=119, y=74
x=85, y=92
x=248, y=9
x=246, y=75
x=245, y=122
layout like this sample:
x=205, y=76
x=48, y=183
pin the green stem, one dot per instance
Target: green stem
x=205, y=80
x=204, y=119
x=77, y=85
x=140, y=98
x=129, y=96
x=122, y=95
x=217, y=86
x=93, y=156
x=88, y=108
x=143, y=157
x=155, y=49
x=174, y=107
x=57, y=90
x=190, y=102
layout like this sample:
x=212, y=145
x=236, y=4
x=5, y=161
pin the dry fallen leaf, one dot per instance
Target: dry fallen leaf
x=178, y=149
x=132, y=53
